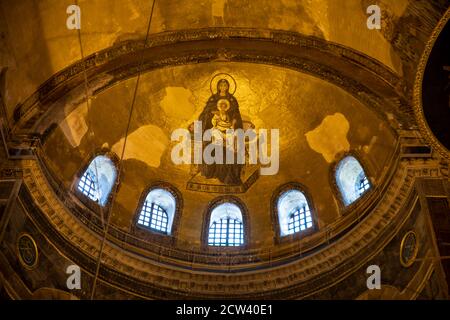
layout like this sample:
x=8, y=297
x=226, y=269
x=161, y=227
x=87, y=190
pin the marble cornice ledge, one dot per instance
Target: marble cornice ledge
x=184, y=255
x=307, y=275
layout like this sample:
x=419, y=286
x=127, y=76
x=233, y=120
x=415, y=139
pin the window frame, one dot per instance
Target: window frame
x=207, y=219
x=358, y=188
x=148, y=234
x=228, y=242
x=278, y=237
x=152, y=213
x=292, y=219
x=90, y=186
x=344, y=209
x=84, y=199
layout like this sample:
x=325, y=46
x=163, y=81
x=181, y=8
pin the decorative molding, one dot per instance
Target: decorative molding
x=363, y=77
x=32, y=246
x=412, y=259
x=96, y=224
x=297, y=275
x=417, y=92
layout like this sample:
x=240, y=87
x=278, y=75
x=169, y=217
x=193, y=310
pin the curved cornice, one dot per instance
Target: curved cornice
x=356, y=238
x=417, y=95
x=363, y=77
x=183, y=255
x=303, y=276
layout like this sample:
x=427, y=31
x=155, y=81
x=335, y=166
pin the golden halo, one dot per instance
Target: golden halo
x=226, y=76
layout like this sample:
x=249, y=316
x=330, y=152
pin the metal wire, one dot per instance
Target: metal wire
x=90, y=131
x=108, y=219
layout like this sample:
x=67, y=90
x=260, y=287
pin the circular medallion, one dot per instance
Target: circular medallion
x=27, y=251
x=408, y=249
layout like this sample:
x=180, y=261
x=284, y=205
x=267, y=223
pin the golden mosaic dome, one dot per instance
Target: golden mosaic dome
x=109, y=131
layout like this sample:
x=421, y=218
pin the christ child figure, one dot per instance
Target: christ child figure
x=221, y=119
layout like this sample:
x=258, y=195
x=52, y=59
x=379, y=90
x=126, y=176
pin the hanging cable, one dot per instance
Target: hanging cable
x=90, y=131
x=108, y=218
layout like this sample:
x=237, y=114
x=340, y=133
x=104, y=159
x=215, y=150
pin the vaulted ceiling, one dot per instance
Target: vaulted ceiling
x=310, y=68
x=35, y=32
x=334, y=84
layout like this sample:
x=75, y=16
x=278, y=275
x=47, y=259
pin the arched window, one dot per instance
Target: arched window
x=158, y=211
x=351, y=180
x=97, y=181
x=294, y=214
x=226, y=228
